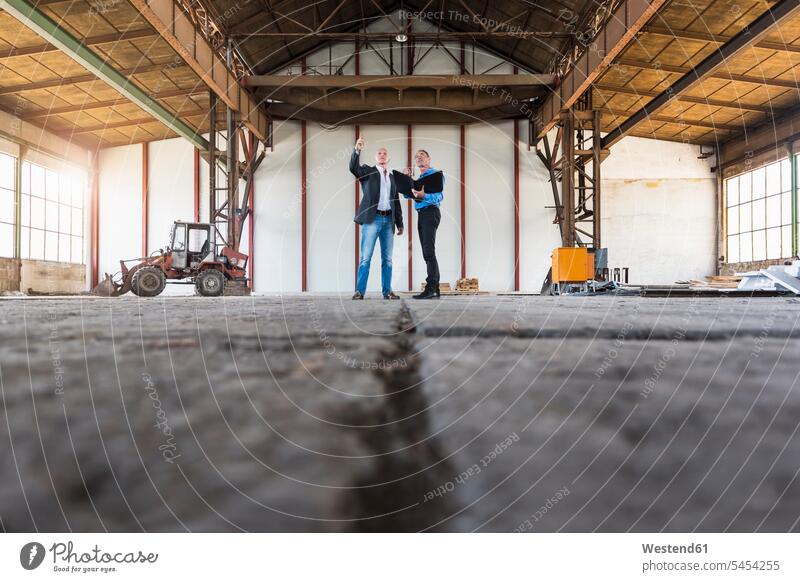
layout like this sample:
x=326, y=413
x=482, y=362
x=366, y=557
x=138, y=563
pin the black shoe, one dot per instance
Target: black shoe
x=358, y=295
x=391, y=295
x=432, y=294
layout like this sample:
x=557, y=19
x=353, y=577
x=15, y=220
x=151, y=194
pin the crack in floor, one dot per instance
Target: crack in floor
x=395, y=494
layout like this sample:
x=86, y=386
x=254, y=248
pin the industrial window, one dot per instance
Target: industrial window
x=7, y=215
x=759, y=207
x=52, y=214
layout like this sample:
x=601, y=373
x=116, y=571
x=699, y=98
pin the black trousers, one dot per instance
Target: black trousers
x=427, y=222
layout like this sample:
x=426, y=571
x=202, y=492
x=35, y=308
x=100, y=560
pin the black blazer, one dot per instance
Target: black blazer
x=370, y=179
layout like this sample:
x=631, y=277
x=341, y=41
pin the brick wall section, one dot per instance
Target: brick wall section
x=51, y=277
x=733, y=268
x=41, y=277
x=9, y=275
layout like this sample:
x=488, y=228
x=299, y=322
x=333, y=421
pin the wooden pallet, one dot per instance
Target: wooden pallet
x=467, y=285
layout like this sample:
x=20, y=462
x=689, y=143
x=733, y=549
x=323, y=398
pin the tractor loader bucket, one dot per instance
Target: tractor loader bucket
x=108, y=288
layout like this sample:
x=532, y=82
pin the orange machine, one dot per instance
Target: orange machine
x=572, y=265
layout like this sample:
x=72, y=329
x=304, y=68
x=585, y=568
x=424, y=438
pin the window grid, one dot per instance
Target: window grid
x=758, y=207
x=52, y=215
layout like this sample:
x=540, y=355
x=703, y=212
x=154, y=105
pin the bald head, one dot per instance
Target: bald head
x=382, y=157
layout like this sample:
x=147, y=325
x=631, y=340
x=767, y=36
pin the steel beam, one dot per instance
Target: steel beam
x=177, y=29
x=393, y=115
x=30, y=15
x=77, y=130
x=63, y=81
x=88, y=41
x=87, y=105
x=716, y=38
x=362, y=82
x=419, y=36
x=623, y=26
x=741, y=42
x=737, y=105
x=723, y=75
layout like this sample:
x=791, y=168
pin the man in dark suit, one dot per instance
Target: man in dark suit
x=378, y=214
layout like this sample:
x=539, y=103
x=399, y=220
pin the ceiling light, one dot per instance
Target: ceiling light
x=401, y=37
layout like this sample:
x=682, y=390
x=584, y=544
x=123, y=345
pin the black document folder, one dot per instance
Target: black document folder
x=431, y=183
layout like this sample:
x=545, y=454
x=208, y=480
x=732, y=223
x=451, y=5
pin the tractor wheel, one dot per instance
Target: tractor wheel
x=210, y=283
x=148, y=282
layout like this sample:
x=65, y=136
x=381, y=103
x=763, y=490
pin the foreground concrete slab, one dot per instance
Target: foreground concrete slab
x=317, y=413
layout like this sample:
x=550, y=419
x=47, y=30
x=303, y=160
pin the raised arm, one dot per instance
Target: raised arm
x=356, y=168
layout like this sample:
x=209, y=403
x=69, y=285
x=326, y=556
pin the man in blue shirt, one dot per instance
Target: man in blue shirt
x=428, y=218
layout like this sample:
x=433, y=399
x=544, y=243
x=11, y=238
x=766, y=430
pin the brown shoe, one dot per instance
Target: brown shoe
x=358, y=295
x=391, y=295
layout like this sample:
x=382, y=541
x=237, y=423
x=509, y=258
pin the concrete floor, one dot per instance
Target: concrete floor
x=301, y=413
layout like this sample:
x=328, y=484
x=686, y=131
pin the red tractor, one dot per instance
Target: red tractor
x=193, y=255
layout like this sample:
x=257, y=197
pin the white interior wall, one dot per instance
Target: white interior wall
x=490, y=205
x=537, y=233
x=277, y=260
x=331, y=203
x=170, y=188
x=120, y=206
x=659, y=210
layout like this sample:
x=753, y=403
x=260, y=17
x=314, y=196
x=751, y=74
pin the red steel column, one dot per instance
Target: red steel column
x=516, y=205
x=516, y=201
x=196, y=185
x=303, y=201
x=94, y=244
x=251, y=231
x=410, y=224
x=145, y=171
x=462, y=58
x=463, y=202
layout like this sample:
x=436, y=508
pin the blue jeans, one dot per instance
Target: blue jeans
x=383, y=229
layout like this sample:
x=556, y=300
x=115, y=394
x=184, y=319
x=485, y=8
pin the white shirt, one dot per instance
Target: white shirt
x=385, y=201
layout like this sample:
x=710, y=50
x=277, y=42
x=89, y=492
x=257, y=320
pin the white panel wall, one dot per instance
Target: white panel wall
x=490, y=205
x=537, y=233
x=331, y=207
x=277, y=258
x=120, y=206
x=659, y=210
x=170, y=187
